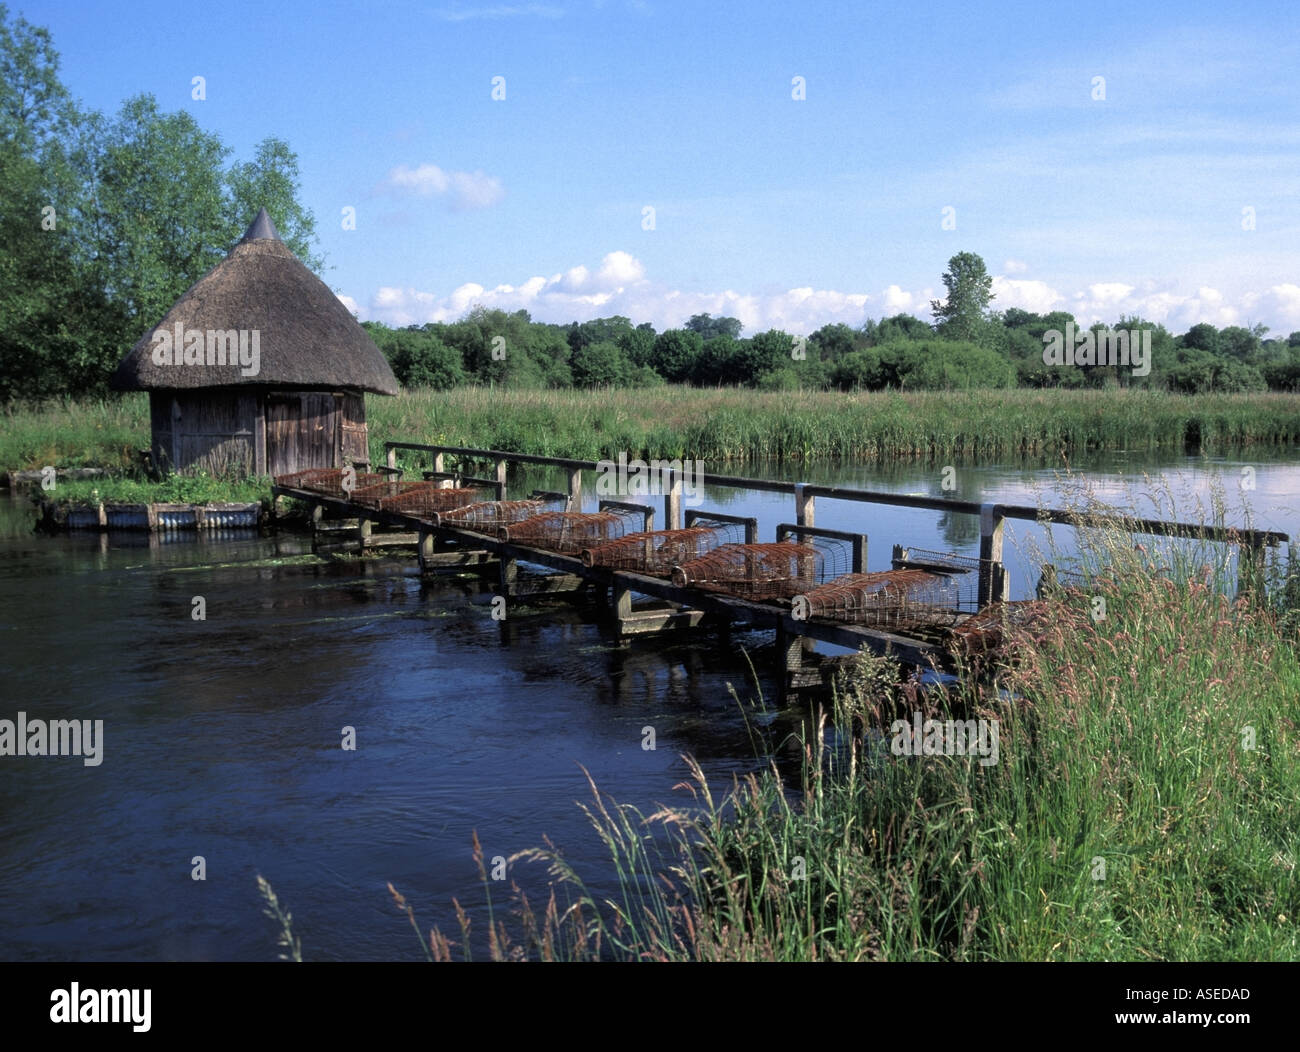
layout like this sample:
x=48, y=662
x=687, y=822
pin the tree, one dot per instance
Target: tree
x=638, y=346
x=271, y=181
x=762, y=353
x=970, y=291
x=1202, y=337
x=710, y=328
x=675, y=354
x=598, y=365
x=58, y=330
x=1238, y=342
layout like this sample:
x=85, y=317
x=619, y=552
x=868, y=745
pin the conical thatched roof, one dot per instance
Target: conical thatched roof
x=306, y=337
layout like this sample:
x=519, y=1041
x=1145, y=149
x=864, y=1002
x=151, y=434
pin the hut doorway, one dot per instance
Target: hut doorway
x=302, y=431
x=313, y=429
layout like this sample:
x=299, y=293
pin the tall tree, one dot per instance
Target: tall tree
x=963, y=316
x=271, y=181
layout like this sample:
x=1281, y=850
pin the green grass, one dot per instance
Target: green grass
x=69, y=434
x=175, y=489
x=724, y=425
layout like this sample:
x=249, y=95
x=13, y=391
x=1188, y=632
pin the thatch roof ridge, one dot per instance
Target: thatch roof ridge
x=263, y=296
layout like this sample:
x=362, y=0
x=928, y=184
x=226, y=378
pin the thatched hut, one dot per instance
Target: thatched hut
x=257, y=368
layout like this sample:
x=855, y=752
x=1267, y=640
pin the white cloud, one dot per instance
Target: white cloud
x=1035, y=296
x=463, y=190
x=619, y=285
x=618, y=269
x=1015, y=266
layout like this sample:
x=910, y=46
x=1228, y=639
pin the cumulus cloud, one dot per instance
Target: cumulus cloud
x=1035, y=296
x=1015, y=266
x=618, y=284
x=461, y=190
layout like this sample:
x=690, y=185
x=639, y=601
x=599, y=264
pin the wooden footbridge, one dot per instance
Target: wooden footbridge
x=489, y=535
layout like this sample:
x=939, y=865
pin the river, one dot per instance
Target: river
x=222, y=737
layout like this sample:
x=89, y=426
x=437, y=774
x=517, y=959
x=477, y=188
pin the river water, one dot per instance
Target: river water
x=222, y=737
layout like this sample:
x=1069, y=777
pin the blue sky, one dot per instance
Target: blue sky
x=782, y=212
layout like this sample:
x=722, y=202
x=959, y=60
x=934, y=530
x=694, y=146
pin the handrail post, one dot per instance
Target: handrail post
x=992, y=579
x=575, y=490
x=804, y=505
x=392, y=456
x=502, y=465
x=1250, y=567
x=673, y=500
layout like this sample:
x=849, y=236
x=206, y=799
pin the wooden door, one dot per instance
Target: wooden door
x=301, y=432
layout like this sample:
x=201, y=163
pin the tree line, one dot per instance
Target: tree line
x=1004, y=349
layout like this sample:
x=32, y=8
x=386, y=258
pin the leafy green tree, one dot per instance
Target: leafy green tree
x=599, y=365
x=859, y=370
x=638, y=346
x=1198, y=372
x=962, y=316
x=1202, y=337
x=675, y=354
x=59, y=332
x=903, y=327
x=949, y=365
x=1240, y=343
x=418, y=357
x=835, y=341
x=763, y=353
x=717, y=362
x=271, y=181
x=165, y=218
x=709, y=327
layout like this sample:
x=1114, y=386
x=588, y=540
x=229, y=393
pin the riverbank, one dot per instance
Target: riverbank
x=727, y=425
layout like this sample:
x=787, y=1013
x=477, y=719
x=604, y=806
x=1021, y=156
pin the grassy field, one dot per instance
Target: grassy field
x=1145, y=806
x=724, y=425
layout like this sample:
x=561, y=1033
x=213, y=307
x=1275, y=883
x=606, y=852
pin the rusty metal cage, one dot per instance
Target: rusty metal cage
x=897, y=600
x=371, y=495
x=330, y=482
x=963, y=572
x=426, y=501
x=767, y=571
x=486, y=516
x=658, y=551
x=986, y=630
x=569, y=532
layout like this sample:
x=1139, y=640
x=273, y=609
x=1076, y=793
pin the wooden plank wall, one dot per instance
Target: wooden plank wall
x=302, y=431
x=354, y=436
x=209, y=430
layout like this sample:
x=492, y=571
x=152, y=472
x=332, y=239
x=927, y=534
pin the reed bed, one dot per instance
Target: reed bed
x=724, y=425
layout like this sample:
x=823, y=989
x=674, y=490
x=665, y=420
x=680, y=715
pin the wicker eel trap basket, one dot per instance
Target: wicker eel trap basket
x=897, y=600
x=656, y=553
x=766, y=571
x=569, y=532
x=487, y=516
